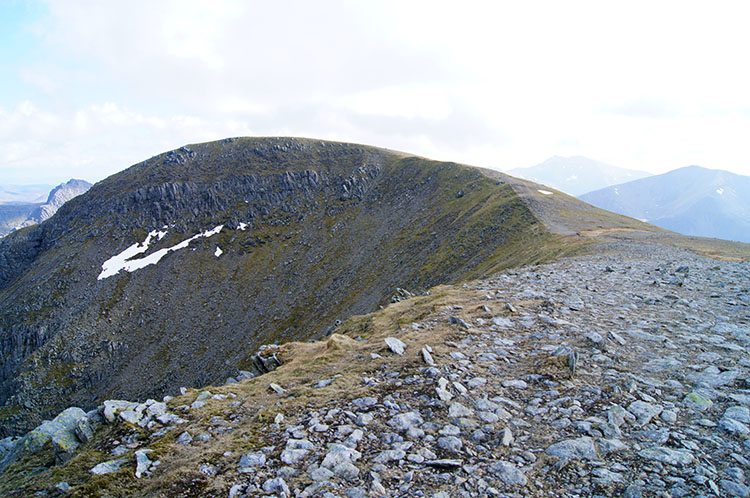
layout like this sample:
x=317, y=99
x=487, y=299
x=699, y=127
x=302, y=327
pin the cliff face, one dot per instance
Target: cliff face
x=215, y=249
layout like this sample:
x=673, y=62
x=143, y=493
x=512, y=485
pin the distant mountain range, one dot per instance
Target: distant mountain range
x=577, y=175
x=15, y=214
x=690, y=200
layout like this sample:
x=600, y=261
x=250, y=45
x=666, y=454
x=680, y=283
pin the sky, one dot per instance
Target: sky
x=88, y=88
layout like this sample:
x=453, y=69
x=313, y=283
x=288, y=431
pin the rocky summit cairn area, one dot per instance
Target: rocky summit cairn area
x=623, y=372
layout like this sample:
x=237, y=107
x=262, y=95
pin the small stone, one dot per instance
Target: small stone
x=252, y=460
x=450, y=443
x=735, y=488
x=457, y=410
x=338, y=453
x=108, y=467
x=644, y=412
x=669, y=416
x=184, y=439
x=389, y=456
x=507, y=437
x=277, y=388
x=459, y=322
x=395, y=345
x=515, y=384
x=405, y=421
x=667, y=455
x=276, y=485
x=364, y=403
x=62, y=487
x=738, y=413
x=143, y=464
x=293, y=456
x=698, y=402
x=632, y=491
x=207, y=469
x=364, y=419
x=346, y=470
x=733, y=426
x=427, y=357
x=576, y=449
x=508, y=473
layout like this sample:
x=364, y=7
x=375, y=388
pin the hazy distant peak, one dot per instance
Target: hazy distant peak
x=692, y=200
x=577, y=175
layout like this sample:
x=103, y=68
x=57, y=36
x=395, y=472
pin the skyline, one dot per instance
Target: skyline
x=89, y=89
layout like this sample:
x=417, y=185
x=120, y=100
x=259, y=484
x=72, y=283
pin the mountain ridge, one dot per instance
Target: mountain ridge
x=331, y=230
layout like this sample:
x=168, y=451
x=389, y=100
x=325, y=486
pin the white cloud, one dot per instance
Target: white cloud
x=501, y=84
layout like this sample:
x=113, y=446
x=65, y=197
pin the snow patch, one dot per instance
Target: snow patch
x=544, y=192
x=242, y=226
x=720, y=191
x=218, y=251
x=125, y=261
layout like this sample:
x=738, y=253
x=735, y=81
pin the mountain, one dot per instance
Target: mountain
x=577, y=175
x=175, y=271
x=17, y=215
x=690, y=200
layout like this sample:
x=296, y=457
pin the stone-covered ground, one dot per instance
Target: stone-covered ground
x=623, y=373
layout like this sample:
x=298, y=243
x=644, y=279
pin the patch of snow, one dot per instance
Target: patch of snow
x=617, y=191
x=544, y=192
x=643, y=220
x=218, y=251
x=720, y=191
x=242, y=226
x=125, y=261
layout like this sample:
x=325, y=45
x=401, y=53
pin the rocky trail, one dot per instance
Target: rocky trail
x=620, y=373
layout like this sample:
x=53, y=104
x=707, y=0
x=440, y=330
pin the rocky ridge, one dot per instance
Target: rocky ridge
x=624, y=372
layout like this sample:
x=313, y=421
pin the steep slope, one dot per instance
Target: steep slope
x=577, y=175
x=175, y=271
x=691, y=200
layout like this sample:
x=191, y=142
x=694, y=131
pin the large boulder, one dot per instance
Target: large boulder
x=59, y=432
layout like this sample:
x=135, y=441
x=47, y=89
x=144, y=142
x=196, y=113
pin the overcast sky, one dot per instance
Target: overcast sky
x=88, y=88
